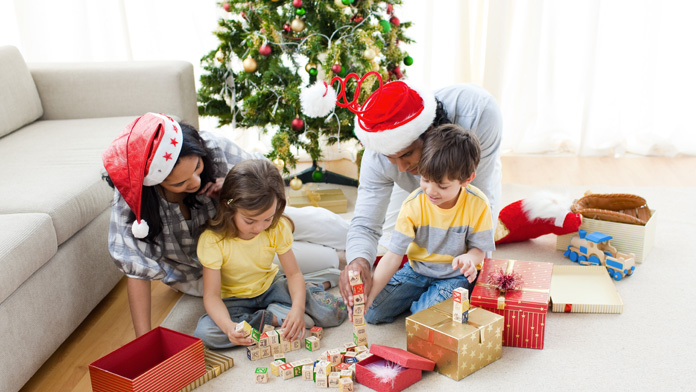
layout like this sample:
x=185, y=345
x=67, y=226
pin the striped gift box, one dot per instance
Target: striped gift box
x=159, y=361
x=627, y=238
x=570, y=293
x=215, y=364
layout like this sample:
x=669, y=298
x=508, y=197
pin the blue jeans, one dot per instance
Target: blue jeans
x=325, y=309
x=408, y=290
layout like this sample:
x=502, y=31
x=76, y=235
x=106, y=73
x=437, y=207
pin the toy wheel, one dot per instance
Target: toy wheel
x=573, y=256
x=582, y=259
x=566, y=253
x=617, y=276
x=595, y=260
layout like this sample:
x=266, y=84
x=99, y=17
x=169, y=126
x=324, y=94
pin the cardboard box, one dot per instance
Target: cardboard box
x=413, y=366
x=524, y=309
x=457, y=349
x=331, y=199
x=160, y=360
x=583, y=289
x=628, y=238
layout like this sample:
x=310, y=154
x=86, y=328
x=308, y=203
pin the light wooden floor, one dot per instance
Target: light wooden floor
x=109, y=325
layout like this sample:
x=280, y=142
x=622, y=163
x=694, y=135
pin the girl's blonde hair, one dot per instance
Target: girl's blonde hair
x=251, y=185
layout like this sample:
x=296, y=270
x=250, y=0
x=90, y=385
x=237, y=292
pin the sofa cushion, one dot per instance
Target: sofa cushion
x=20, y=103
x=55, y=167
x=27, y=242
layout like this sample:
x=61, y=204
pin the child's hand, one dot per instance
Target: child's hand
x=238, y=338
x=466, y=265
x=294, y=325
x=212, y=189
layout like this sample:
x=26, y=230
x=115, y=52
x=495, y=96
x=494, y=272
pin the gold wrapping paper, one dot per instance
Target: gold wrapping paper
x=457, y=349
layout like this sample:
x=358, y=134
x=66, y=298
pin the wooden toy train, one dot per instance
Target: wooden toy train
x=595, y=249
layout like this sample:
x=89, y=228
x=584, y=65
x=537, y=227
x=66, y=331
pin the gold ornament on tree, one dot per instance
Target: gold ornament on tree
x=297, y=25
x=249, y=64
x=220, y=56
x=369, y=54
x=279, y=163
x=296, y=184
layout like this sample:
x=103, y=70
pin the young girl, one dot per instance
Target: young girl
x=240, y=281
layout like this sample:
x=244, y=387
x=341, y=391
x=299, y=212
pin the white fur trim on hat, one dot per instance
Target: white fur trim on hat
x=391, y=141
x=167, y=153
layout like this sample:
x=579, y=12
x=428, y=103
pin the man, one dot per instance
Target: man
x=391, y=125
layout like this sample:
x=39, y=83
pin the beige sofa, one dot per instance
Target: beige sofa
x=55, y=122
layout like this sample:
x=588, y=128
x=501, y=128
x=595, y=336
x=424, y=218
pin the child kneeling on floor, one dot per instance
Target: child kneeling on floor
x=445, y=229
x=241, y=282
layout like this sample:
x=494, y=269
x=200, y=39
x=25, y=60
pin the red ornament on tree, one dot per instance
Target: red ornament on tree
x=395, y=21
x=357, y=19
x=336, y=68
x=396, y=72
x=226, y=6
x=297, y=124
x=265, y=50
x=287, y=28
x=390, y=9
x=297, y=3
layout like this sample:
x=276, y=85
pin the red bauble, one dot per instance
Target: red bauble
x=265, y=50
x=395, y=21
x=336, y=68
x=297, y=3
x=243, y=14
x=357, y=19
x=390, y=9
x=297, y=124
x=226, y=6
x=287, y=28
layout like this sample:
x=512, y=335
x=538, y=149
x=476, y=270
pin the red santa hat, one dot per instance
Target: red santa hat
x=142, y=155
x=392, y=117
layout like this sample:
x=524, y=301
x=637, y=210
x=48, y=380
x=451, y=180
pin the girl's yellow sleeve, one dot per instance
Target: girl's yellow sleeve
x=210, y=250
x=282, y=236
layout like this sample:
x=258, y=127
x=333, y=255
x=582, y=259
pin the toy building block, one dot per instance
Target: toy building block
x=255, y=335
x=358, y=299
x=363, y=355
x=253, y=353
x=358, y=310
x=297, y=368
x=354, y=277
x=349, y=357
x=261, y=375
x=243, y=327
x=287, y=371
x=347, y=373
x=349, y=346
x=322, y=381
x=308, y=372
x=345, y=384
x=361, y=348
x=360, y=335
x=268, y=327
x=296, y=344
x=312, y=343
x=333, y=379
x=276, y=349
x=264, y=352
x=358, y=289
x=275, y=367
x=334, y=356
x=280, y=357
x=273, y=337
x=286, y=346
x=264, y=340
x=358, y=320
x=316, y=331
x=322, y=368
x=460, y=305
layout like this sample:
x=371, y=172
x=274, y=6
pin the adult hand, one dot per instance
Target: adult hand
x=238, y=338
x=294, y=325
x=466, y=265
x=212, y=189
x=362, y=266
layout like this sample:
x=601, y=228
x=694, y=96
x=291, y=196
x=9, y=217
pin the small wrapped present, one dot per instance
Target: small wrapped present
x=391, y=369
x=332, y=199
x=457, y=349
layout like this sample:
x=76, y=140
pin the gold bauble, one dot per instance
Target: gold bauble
x=220, y=56
x=279, y=163
x=249, y=64
x=297, y=25
x=369, y=54
x=296, y=184
x=375, y=66
x=339, y=4
x=309, y=66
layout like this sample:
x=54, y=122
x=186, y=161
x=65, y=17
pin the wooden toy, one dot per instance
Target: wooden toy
x=360, y=335
x=308, y=372
x=347, y=372
x=358, y=310
x=358, y=299
x=280, y=357
x=333, y=379
x=316, y=331
x=322, y=368
x=243, y=327
x=264, y=352
x=297, y=368
x=460, y=307
x=358, y=320
x=267, y=328
x=595, y=249
x=253, y=353
x=255, y=335
x=286, y=371
x=363, y=355
x=354, y=277
x=312, y=343
x=261, y=375
x=296, y=344
x=275, y=367
x=276, y=349
x=264, y=340
x=286, y=346
x=345, y=384
x=334, y=357
x=322, y=381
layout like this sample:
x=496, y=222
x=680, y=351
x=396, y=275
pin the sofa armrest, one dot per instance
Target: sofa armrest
x=114, y=89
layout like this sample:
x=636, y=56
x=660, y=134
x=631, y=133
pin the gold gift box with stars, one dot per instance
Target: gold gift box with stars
x=457, y=349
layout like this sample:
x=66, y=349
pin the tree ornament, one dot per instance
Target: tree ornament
x=343, y=72
x=347, y=2
x=226, y=6
x=336, y=68
x=369, y=54
x=339, y=4
x=249, y=64
x=397, y=73
x=287, y=28
x=279, y=163
x=297, y=25
x=395, y=21
x=300, y=11
x=297, y=3
x=314, y=72
x=408, y=60
x=357, y=18
x=309, y=66
x=385, y=26
x=375, y=66
x=265, y=50
x=298, y=124
x=296, y=184
x=390, y=9
x=220, y=56
x=317, y=175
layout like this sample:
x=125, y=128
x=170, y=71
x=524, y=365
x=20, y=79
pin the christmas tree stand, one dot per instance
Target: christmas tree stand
x=316, y=174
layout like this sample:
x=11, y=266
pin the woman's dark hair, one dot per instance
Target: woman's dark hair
x=192, y=145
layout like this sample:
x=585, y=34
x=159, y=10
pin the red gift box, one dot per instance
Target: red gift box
x=524, y=308
x=412, y=364
x=158, y=361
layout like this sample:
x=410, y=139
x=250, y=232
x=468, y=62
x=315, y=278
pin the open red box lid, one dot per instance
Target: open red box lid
x=402, y=357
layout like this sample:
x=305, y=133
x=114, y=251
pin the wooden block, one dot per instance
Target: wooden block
x=334, y=377
x=261, y=375
x=334, y=357
x=358, y=299
x=267, y=328
x=253, y=353
x=280, y=357
x=358, y=310
x=286, y=346
x=243, y=327
x=354, y=277
x=345, y=384
x=275, y=367
x=286, y=371
x=358, y=320
x=264, y=352
x=322, y=381
x=276, y=349
x=322, y=368
x=316, y=331
x=358, y=289
x=296, y=344
x=312, y=343
x=308, y=372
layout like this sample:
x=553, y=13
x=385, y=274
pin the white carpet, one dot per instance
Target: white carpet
x=650, y=346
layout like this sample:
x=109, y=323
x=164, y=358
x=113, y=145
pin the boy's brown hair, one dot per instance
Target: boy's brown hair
x=449, y=152
x=251, y=185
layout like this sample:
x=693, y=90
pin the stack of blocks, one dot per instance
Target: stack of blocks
x=268, y=343
x=359, y=330
x=460, y=307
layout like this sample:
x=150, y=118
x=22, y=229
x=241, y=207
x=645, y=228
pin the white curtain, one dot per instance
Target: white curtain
x=588, y=77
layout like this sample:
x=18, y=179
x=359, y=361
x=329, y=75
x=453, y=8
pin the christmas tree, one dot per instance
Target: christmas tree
x=271, y=49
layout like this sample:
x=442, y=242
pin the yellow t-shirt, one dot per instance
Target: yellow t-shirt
x=246, y=266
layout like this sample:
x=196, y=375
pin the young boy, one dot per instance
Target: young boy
x=445, y=228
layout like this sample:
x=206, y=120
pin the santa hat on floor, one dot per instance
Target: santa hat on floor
x=142, y=155
x=392, y=118
x=540, y=214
